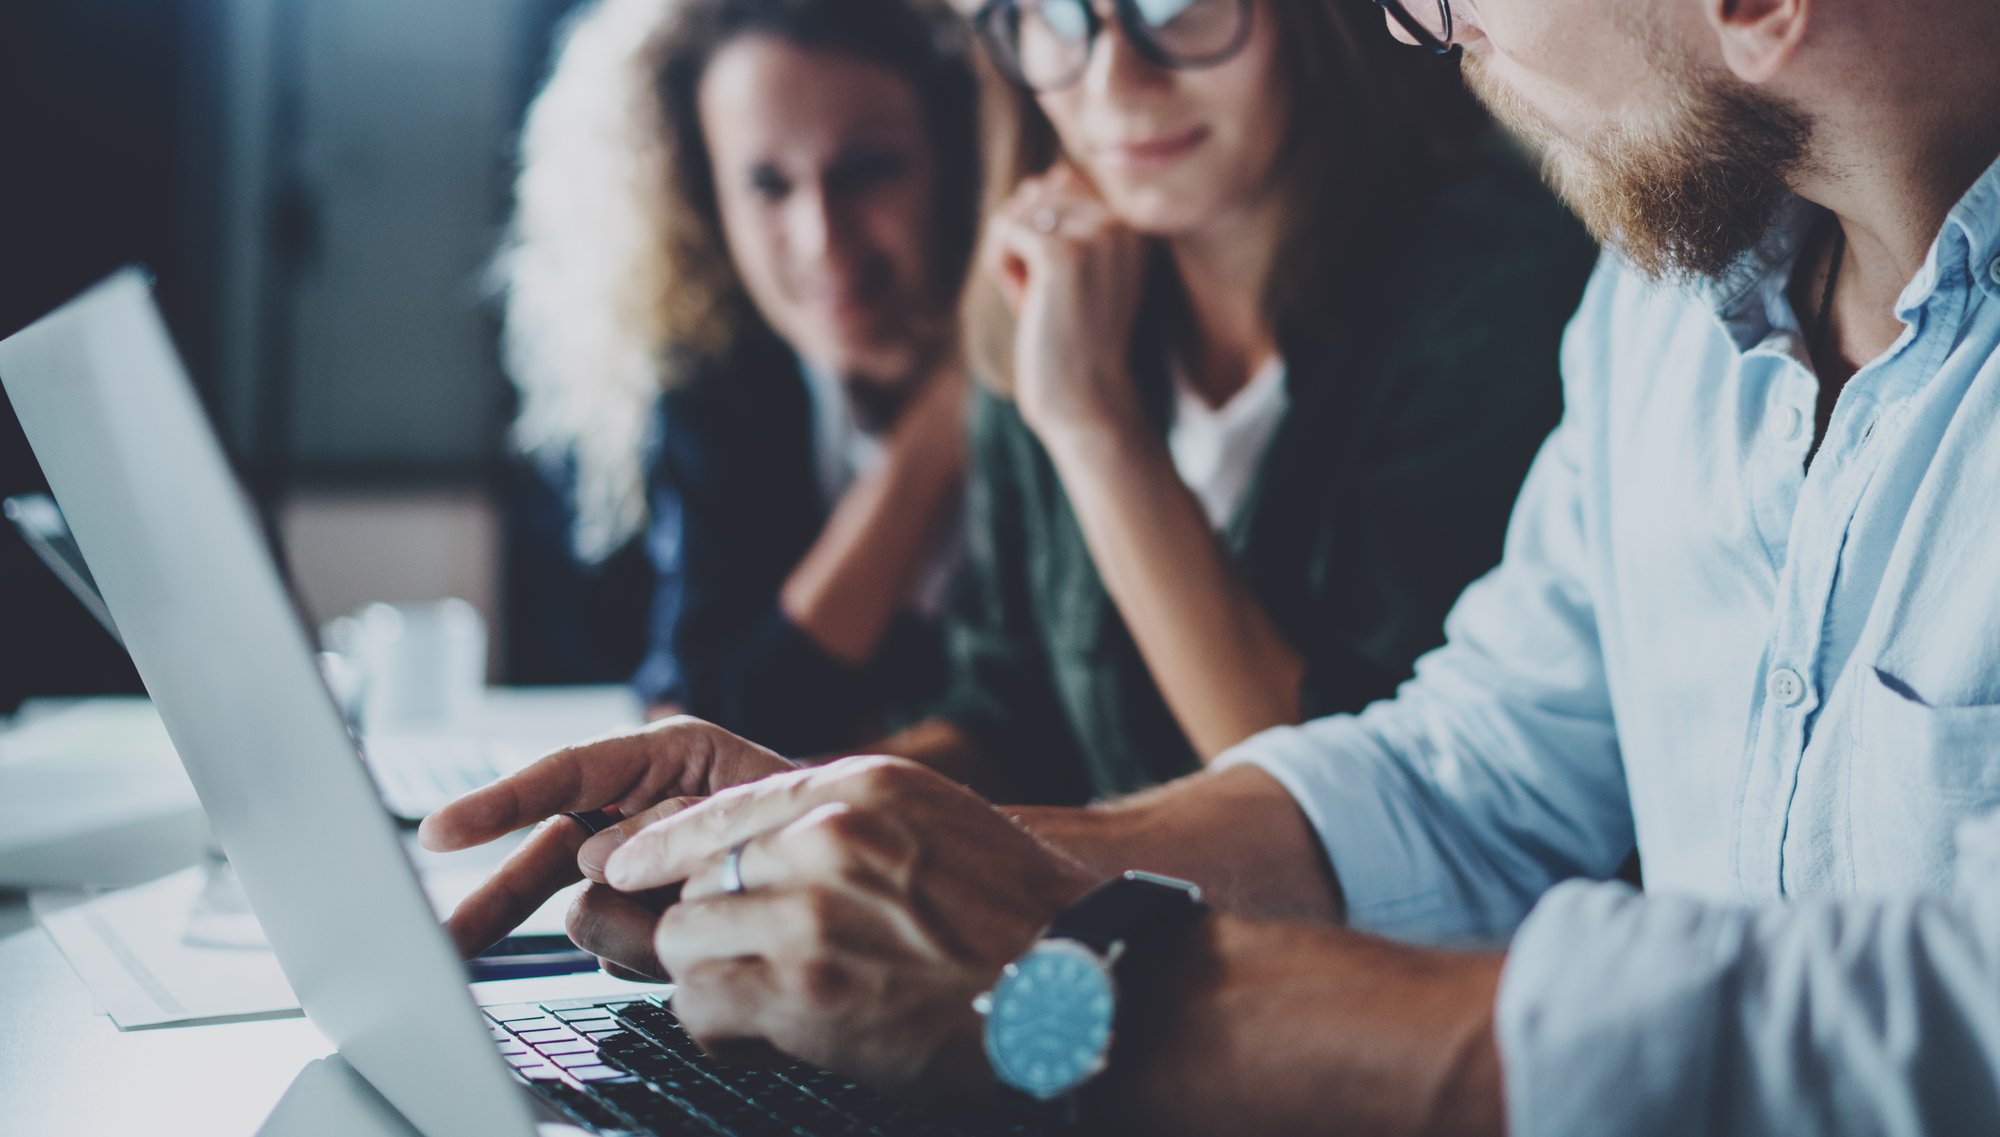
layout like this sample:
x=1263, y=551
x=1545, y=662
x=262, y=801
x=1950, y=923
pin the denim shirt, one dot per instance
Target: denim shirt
x=1783, y=686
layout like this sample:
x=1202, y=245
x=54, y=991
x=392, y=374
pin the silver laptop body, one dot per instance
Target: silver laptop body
x=177, y=553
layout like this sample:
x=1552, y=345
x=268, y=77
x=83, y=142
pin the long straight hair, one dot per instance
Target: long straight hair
x=1376, y=127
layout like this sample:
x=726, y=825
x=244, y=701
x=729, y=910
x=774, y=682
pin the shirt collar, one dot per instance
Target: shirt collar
x=1969, y=243
x=1748, y=299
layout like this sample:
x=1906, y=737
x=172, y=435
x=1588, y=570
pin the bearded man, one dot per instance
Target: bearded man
x=1748, y=622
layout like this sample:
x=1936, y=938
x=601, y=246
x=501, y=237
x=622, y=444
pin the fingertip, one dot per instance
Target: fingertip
x=622, y=869
x=433, y=833
x=593, y=855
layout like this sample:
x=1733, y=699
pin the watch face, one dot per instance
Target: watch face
x=1050, y=1021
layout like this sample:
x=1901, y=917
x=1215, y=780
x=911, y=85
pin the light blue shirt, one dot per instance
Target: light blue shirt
x=1785, y=688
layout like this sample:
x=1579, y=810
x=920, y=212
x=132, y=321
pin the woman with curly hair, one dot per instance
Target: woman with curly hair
x=731, y=311
x=1278, y=319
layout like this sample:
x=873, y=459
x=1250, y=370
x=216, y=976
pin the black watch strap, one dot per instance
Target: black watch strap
x=1133, y=908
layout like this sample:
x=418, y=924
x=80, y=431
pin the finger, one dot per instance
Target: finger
x=666, y=852
x=625, y=973
x=724, y=1000
x=591, y=856
x=669, y=851
x=775, y=859
x=706, y=829
x=675, y=757
x=767, y=924
x=618, y=929
x=543, y=865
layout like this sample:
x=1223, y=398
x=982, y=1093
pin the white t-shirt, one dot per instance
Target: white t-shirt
x=1217, y=449
x=842, y=452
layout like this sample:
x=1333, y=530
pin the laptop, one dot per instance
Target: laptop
x=174, y=548
x=415, y=774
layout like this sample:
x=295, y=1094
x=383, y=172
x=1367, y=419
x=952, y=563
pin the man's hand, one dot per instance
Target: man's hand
x=641, y=776
x=879, y=899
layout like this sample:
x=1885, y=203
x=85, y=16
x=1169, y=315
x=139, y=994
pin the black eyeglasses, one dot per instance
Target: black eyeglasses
x=1045, y=44
x=1433, y=33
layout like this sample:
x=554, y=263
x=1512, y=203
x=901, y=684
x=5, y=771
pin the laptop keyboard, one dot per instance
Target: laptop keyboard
x=417, y=775
x=621, y=1066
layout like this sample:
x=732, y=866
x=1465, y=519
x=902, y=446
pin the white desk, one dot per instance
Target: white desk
x=66, y=1070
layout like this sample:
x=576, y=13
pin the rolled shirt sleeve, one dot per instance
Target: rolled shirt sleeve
x=1641, y=1015
x=1495, y=772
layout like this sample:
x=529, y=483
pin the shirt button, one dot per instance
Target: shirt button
x=1785, y=423
x=1786, y=687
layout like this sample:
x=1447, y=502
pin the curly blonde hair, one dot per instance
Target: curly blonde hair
x=617, y=281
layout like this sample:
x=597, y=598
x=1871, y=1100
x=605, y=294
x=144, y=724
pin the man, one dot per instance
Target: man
x=1748, y=619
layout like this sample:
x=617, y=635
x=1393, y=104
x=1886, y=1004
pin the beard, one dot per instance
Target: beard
x=1682, y=196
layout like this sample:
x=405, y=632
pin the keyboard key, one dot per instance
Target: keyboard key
x=520, y=1061
x=594, y=1073
x=539, y=1072
x=558, y=1006
x=582, y=1058
x=583, y=1104
x=537, y=1037
x=650, y=1108
x=508, y=1012
x=566, y=1049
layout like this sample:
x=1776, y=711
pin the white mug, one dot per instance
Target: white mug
x=423, y=665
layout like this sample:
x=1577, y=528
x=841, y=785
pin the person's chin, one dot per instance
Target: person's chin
x=1162, y=208
x=884, y=360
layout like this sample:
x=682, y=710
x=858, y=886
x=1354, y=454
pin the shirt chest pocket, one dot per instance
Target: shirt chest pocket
x=1918, y=771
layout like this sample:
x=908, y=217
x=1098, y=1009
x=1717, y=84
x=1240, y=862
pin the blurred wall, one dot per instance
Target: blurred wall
x=317, y=185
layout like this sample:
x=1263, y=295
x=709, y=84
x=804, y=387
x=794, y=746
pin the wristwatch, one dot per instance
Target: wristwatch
x=1049, y=1018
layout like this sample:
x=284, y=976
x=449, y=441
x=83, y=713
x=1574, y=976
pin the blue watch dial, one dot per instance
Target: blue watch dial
x=1048, y=1026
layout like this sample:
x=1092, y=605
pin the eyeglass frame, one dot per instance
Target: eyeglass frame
x=1423, y=35
x=1130, y=20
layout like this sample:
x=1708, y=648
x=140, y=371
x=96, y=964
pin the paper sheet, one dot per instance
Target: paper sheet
x=186, y=950
x=132, y=949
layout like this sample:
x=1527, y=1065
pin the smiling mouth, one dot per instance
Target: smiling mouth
x=1160, y=150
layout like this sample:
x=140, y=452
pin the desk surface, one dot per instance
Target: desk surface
x=66, y=1070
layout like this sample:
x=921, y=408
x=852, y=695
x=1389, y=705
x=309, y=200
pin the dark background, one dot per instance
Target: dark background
x=113, y=150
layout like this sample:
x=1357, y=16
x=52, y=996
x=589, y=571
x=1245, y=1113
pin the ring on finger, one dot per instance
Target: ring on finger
x=1046, y=220
x=732, y=869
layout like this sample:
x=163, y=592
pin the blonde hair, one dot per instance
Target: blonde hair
x=616, y=276
x=602, y=282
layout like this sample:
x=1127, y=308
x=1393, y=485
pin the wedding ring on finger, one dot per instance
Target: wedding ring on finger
x=1045, y=220
x=732, y=869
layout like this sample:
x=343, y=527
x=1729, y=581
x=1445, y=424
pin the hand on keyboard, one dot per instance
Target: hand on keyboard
x=871, y=900
x=641, y=776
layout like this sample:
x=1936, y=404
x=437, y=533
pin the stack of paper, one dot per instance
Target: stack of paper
x=133, y=950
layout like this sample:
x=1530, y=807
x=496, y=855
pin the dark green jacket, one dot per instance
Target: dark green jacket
x=1384, y=492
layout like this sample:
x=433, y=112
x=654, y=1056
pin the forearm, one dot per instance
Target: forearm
x=1220, y=663
x=943, y=747
x=1235, y=832
x=1267, y=1028
x=849, y=584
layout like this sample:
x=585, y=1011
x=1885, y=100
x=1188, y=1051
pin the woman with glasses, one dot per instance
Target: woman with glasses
x=1271, y=323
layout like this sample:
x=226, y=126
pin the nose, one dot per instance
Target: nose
x=825, y=239
x=811, y=229
x=1115, y=66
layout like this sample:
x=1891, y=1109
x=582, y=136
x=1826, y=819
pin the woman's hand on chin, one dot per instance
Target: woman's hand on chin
x=1071, y=271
